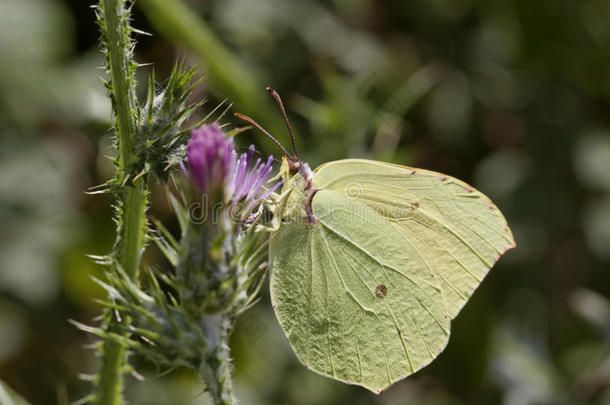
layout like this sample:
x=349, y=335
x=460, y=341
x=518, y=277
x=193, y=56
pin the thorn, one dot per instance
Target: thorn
x=137, y=375
x=86, y=400
x=164, y=373
x=137, y=31
x=224, y=112
x=84, y=328
x=97, y=192
x=211, y=112
x=142, y=173
x=147, y=340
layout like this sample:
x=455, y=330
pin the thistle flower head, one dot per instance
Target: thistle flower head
x=209, y=157
x=214, y=165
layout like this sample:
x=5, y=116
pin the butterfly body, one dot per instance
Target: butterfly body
x=298, y=192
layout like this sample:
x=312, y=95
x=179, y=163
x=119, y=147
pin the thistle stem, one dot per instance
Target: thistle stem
x=120, y=65
x=132, y=198
x=215, y=369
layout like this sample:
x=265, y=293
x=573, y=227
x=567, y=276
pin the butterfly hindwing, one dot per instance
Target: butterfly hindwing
x=355, y=305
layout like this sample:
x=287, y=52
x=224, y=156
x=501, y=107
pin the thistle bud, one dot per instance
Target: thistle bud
x=222, y=175
x=235, y=184
x=209, y=156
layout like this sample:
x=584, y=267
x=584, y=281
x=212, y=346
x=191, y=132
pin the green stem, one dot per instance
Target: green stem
x=215, y=369
x=131, y=238
x=129, y=245
x=132, y=198
x=121, y=78
x=110, y=385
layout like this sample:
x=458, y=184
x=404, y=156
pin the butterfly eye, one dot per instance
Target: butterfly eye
x=294, y=167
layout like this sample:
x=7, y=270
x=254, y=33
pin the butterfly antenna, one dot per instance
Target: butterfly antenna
x=256, y=124
x=278, y=100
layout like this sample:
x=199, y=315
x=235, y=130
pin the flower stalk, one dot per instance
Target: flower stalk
x=210, y=265
x=132, y=197
x=216, y=368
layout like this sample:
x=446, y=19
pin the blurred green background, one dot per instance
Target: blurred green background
x=510, y=96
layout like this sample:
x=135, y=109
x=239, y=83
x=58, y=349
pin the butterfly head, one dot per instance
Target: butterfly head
x=291, y=164
x=292, y=169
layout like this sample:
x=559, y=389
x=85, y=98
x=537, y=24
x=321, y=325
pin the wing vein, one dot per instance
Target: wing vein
x=342, y=334
x=360, y=248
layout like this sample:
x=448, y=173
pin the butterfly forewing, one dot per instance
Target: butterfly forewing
x=455, y=229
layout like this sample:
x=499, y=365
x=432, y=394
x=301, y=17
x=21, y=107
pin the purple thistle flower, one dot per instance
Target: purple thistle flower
x=214, y=165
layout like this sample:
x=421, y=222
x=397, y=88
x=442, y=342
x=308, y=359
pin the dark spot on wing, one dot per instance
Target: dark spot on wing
x=381, y=291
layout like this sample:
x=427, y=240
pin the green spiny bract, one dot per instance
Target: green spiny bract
x=219, y=262
x=215, y=268
x=160, y=132
x=184, y=318
x=161, y=136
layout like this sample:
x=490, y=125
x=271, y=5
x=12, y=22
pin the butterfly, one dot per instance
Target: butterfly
x=370, y=262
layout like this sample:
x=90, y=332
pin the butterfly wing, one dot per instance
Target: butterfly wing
x=458, y=233
x=366, y=293
x=355, y=304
